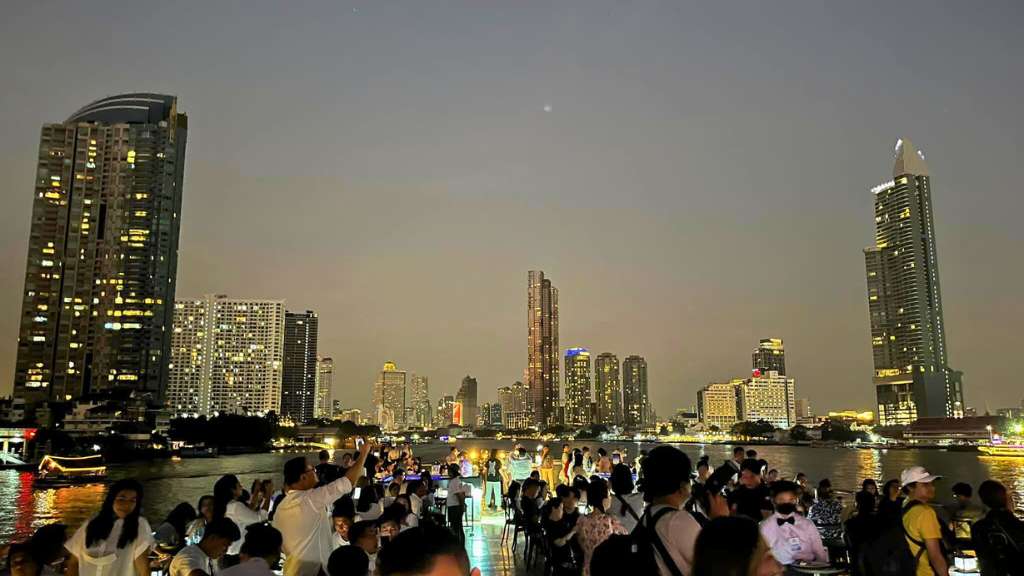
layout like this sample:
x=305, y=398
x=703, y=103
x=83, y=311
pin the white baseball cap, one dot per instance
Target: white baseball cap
x=917, y=474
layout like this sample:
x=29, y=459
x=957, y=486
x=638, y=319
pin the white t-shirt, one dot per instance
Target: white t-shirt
x=455, y=487
x=243, y=517
x=678, y=531
x=104, y=558
x=616, y=510
x=304, y=519
x=251, y=567
x=191, y=558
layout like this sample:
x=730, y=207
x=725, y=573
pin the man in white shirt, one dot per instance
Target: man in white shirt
x=201, y=559
x=666, y=473
x=791, y=537
x=261, y=552
x=303, y=516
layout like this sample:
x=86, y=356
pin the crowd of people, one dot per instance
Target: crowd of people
x=381, y=512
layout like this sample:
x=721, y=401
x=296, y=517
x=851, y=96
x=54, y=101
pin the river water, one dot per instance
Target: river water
x=23, y=508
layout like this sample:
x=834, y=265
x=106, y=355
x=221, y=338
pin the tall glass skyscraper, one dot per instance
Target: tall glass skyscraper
x=908, y=339
x=98, y=303
x=770, y=356
x=542, y=349
x=577, y=387
x=607, y=390
x=634, y=392
x=298, y=380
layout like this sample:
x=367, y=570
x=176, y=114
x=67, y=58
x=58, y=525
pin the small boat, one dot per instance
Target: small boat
x=1002, y=450
x=198, y=452
x=67, y=470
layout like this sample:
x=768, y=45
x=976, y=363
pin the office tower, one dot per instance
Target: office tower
x=495, y=418
x=770, y=397
x=227, y=356
x=389, y=398
x=516, y=407
x=542, y=348
x=324, y=388
x=912, y=375
x=505, y=398
x=718, y=404
x=466, y=397
x=803, y=409
x=298, y=382
x=445, y=414
x=607, y=390
x=420, y=393
x=634, y=392
x=770, y=356
x=97, y=307
x=577, y=387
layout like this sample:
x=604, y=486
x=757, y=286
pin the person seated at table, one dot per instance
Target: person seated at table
x=792, y=537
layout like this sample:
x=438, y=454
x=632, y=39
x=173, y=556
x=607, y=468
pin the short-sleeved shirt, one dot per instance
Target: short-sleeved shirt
x=921, y=524
x=751, y=501
x=455, y=487
x=191, y=558
x=678, y=532
x=104, y=557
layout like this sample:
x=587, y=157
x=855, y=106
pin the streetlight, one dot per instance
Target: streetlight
x=989, y=428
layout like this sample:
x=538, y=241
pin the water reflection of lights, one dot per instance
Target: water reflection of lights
x=1009, y=471
x=869, y=463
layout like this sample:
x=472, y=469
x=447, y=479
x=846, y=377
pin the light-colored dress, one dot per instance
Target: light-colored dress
x=104, y=558
x=592, y=530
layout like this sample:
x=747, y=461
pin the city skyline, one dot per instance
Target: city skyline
x=614, y=191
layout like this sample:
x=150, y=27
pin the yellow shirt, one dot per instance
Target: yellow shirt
x=922, y=524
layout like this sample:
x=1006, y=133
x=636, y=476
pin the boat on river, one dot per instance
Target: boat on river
x=1003, y=450
x=69, y=470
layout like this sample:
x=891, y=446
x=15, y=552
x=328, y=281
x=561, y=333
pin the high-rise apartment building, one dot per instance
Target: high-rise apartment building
x=718, y=404
x=908, y=336
x=634, y=392
x=607, y=390
x=770, y=397
x=420, y=394
x=516, y=406
x=542, y=348
x=578, y=395
x=98, y=302
x=227, y=356
x=445, y=413
x=298, y=382
x=467, y=399
x=389, y=398
x=323, y=407
x=770, y=356
x=490, y=415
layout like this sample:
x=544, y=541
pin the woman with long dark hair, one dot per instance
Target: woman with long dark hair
x=226, y=504
x=627, y=506
x=117, y=540
x=204, y=509
x=598, y=524
x=170, y=535
x=732, y=546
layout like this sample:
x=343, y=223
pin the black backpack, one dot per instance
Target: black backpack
x=1004, y=552
x=646, y=541
x=889, y=553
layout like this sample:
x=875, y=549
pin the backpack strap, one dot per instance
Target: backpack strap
x=652, y=523
x=921, y=545
x=627, y=508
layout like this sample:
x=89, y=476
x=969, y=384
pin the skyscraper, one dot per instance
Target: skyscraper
x=227, y=356
x=324, y=388
x=770, y=356
x=467, y=398
x=420, y=392
x=908, y=339
x=634, y=392
x=298, y=383
x=718, y=404
x=577, y=387
x=445, y=412
x=97, y=307
x=542, y=348
x=607, y=390
x=768, y=396
x=389, y=397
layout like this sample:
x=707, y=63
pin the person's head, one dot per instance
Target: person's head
x=205, y=507
x=299, y=475
x=732, y=546
x=597, y=495
x=390, y=522
x=364, y=535
x=703, y=469
x=180, y=517
x=218, y=536
x=993, y=495
x=226, y=489
x=324, y=456
x=666, y=472
x=348, y=561
x=750, y=473
x=714, y=499
x=122, y=502
x=601, y=452
x=773, y=476
x=801, y=479
x=785, y=496
x=869, y=486
x=824, y=489
x=417, y=487
x=619, y=555
x=552, y=509
x=535, y=475
x=521, y=451
x=565, y=448
x=262, y=541
x=891, y=489
x=621, y=479
x=21, y=562
x=47, y=543
x=453, y=451
x=531, y=487
x=346, y=460
x=453, y=471
x=367, y=498
x=918, y=484
x=738, y=454
x=962, y=493
x=394, y=488
x=865, y=502
x=425, y=551
x=752, y=454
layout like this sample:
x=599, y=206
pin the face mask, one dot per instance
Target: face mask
x=785, y=509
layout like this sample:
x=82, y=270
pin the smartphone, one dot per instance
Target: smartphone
x=359, y=443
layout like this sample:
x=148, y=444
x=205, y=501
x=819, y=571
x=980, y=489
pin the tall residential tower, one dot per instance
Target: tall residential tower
x=577, y=387
x=542, y=348
x=607, y=390
x=634, y=392
x=298, y=382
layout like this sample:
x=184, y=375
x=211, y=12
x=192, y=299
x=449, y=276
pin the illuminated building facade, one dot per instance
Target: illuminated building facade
x=542, y=377
x=770, y=356
x=97, y=305
x=577, y=387
x=298, y=382
x=389, y=397
x=912, y=376
x=421, y=409
x=445, y=413
x=324, y=388
x=467, y=399
x=607, y=390
x=188, y=381
x=770, y=397
x=718, y=404
x=634, y=392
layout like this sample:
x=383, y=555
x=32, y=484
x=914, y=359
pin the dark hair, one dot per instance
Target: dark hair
x=199, y=505
x=293, y=470
x=619, y=555
x=223, y=527
x=514, y=488
x=261, y=540
x=865, y=502
x=453, y=470
x=962, y=489
x=180, y=517
x=868, y=482
x=393, y=513
x=99, y=527
x=992, y=494
x=665, y=469
x=18, y=548
x=579, y=484
x=725, y=547
x=751, y=465
x=738, y=450
x=415, y=551
x=773, y=470
x=348, y=561
x=601, y=452
x=562, y=491
x=824, y=483
x=223, y=494
x=597, y=491
x=751, y=453
x=344, y=507
x=324, y=455
x=408, y=501
x=703, y=463
x=47, y=544
x=413, y=486
x=367, y=498
x=358, y=529
x=889, y=485
x=783, y=486
x=621, y=479
x=577, y=458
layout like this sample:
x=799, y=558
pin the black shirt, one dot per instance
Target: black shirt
x=327, y=473
x=750, y=502
x=998, y=539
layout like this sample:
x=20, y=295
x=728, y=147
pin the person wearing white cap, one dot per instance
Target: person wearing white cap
x=920, y=523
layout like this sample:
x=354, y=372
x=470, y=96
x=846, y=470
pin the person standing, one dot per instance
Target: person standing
x=115, y=542
x=791, y=537
x=226, y=504
x=998, y=538
x=626, y=506
x=751, y=497
x=456, y=502
x=920, y=523
x=200, y=559
x=666, y=483
x=594, y=528
x=547, y=468
x=492, y=482
x=302, y=516
x=325, y=471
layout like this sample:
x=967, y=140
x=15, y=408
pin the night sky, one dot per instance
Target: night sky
x=691, y=177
